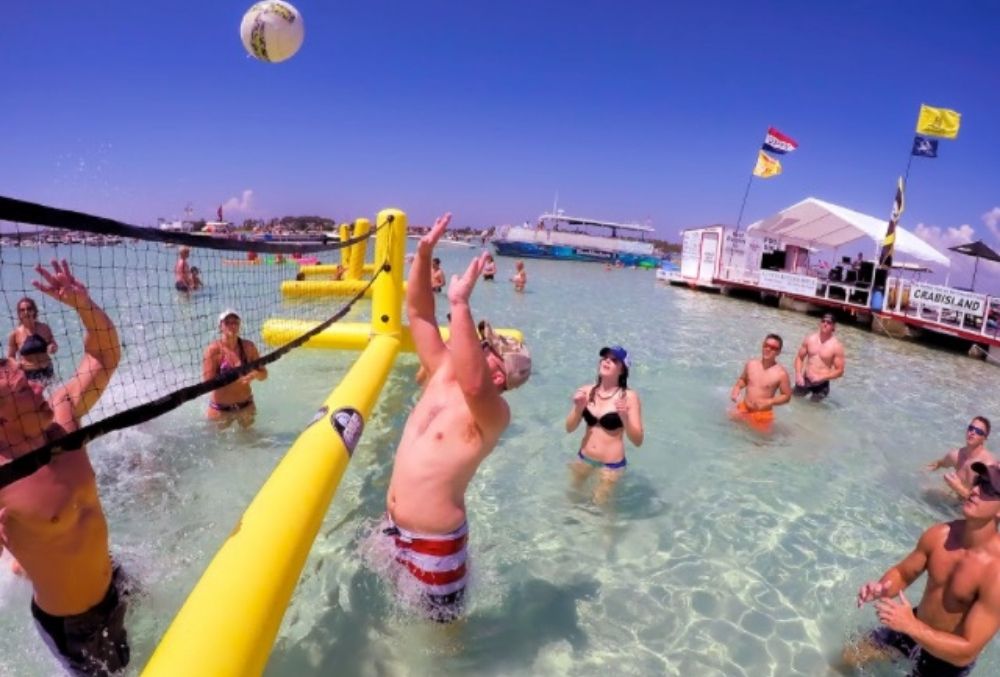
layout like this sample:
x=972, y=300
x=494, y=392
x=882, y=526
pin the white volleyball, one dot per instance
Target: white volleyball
x=272, y=30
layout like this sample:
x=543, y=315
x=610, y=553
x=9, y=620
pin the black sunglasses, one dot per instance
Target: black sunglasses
x=976, y=429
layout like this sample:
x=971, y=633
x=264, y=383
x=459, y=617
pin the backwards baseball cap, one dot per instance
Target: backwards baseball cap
x=990, y=472
x=828, y=317
x=515, y=355
x=618, y=353
x=226, y=313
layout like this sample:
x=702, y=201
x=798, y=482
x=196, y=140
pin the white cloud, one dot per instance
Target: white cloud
x=992, y=221
x=241, y=205
x=942, y=238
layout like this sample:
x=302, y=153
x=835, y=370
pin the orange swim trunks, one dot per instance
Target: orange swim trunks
x=760, y=421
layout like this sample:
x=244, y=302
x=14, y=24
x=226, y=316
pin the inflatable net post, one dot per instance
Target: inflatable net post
x=229, y=622
x=358, y=250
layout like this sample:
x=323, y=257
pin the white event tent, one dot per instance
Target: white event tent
x=822, y=225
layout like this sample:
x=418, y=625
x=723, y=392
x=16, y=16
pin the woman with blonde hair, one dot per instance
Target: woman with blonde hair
x=233, y=402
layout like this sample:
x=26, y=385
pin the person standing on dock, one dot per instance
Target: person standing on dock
x=764, y=384
x=820, y=360
x=960, y=480
x=454, y=426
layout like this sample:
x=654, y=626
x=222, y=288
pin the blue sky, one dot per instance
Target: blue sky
x=629, y=111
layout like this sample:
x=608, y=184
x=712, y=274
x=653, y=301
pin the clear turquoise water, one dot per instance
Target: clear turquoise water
x=723, y=553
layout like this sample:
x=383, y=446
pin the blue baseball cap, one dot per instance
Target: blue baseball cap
x=618, y=353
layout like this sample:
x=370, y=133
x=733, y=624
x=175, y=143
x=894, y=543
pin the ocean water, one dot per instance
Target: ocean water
x=722, y=553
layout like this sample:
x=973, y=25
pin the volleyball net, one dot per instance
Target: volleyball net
x=165, y=314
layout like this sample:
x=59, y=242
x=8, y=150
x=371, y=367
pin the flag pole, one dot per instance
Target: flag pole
x=746, y=194
x=906, y=174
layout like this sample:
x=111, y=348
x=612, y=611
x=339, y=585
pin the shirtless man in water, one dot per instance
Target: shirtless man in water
x=452, y=429
x=961, y=478
x=183, y=280
x=960, y=610
x=52, y=521
x=819, y=361
x=766, y=385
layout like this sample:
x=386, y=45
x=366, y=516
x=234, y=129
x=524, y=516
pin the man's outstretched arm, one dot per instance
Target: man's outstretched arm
x=420, y=301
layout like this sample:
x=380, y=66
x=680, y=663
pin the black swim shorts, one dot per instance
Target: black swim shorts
x=924, y=664
x=818, y=389
x=93, y=642
x=180, y=286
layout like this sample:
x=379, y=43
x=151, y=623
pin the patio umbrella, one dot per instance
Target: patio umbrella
x=980, y=250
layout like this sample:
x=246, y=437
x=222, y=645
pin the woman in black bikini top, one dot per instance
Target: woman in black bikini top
x=611, y=412
x=233, y=402
x=32, y=343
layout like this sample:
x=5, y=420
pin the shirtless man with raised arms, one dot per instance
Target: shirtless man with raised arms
x=452, y=429
x=52, y=521
x=820, y=360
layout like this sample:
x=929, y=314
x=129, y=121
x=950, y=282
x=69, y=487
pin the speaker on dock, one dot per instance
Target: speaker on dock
x=836, y=274
x=881, y=275
x=850, y=276
x=867, y=272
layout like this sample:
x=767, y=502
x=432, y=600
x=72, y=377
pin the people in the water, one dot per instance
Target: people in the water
x=52, y=521
x=182, y=271
x=820, y=360
x=520, y=278
x=233, y=402
x=437, y=276
x=195, y=278
x=31, y=345
x=960, y=479
x=763, y=384
x=959, y=612
x=454, y=426
x=489, y=268
x=611, y=412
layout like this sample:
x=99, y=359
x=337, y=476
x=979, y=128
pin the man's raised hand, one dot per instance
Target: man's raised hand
x=428, y=241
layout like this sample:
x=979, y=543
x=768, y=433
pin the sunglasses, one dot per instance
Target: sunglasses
x=976, y=429
x=612, y=358
x=26, y=309
x=771, y=346
x=986, y=488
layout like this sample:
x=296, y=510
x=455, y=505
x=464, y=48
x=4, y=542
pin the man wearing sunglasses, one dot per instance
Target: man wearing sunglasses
x=454, y=426
x=766, y=385
x=959, y=612
x=820, y=360
x=960, y=479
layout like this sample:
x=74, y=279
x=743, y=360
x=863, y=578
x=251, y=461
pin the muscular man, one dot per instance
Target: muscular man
x=452, y=429
x=820, y=360
x=960, y=610
x=52, y=521
x=960, y=480
x=766, y=385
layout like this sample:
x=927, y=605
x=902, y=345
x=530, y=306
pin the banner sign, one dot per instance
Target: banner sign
x=802, y=285
x=932, y=295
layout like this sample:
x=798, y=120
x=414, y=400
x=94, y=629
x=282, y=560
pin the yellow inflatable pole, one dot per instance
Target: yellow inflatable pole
x=229, y=622
x=357, y=256
x=345, y=252
x=327, y=269
x=347, y=335
x=319, y=288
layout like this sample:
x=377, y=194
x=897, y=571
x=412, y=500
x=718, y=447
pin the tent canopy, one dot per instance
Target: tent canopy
x=815, y=223
x=979, y=249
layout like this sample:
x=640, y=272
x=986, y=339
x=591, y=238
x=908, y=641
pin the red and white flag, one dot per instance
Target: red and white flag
x=779, y=143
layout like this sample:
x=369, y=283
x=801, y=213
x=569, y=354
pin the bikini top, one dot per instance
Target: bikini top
x=224, y=365
x=34, y=345
x=610, y=421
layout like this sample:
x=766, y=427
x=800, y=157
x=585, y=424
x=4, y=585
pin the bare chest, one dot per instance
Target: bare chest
x=959, y=574
x=52, y=500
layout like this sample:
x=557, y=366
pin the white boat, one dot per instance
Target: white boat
x=571, y=238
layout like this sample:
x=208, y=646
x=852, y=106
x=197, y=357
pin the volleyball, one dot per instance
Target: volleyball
x=272, y=30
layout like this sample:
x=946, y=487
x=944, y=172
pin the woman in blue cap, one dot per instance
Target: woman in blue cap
x=611, y=412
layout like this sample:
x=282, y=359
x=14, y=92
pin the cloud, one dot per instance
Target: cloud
x=942, y=238
x=241, y=205
x=992, y=221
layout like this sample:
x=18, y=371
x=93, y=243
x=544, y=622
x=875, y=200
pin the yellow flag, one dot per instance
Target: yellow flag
x=938, y=122
x=766, y=166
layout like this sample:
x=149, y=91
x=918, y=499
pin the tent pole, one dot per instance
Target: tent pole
x=975, y=269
